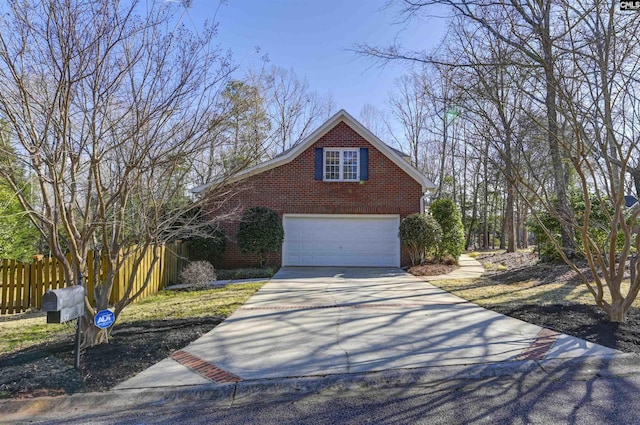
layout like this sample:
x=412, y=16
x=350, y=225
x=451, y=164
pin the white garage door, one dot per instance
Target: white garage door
x=341, y=240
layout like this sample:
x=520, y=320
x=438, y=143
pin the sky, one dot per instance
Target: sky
x=313, y=37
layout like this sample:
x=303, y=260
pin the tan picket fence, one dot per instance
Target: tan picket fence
x=22, y=285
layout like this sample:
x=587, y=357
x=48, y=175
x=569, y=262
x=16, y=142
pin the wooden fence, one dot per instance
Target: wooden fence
x=22, y=285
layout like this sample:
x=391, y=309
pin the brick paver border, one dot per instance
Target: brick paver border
x=540, y=345
x=364, y=305
x=206, y=369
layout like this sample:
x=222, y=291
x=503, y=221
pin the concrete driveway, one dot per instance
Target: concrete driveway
x=318, y=321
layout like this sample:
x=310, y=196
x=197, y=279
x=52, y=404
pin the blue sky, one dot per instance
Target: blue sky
x=312, y=37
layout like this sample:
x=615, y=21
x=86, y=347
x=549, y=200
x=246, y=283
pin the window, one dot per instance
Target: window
x=341, y=164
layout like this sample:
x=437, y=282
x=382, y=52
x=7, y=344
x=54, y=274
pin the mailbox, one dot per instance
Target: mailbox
x=64, y=304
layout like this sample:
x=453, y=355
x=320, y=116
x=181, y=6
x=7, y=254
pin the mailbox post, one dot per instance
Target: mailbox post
x=63, y=305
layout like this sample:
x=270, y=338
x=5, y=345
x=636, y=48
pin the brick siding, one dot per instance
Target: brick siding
x=291, y=188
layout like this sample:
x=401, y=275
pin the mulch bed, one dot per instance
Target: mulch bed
x=587, y=322
x=431, y=269
x=47, y=369
x=582, y=321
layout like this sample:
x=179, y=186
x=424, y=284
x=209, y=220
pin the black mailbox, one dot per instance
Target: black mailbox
x=64, y=304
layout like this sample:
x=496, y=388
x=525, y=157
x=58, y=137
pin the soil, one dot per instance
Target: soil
x=47, y=369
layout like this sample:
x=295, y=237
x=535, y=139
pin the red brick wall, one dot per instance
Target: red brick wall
x=291, y=188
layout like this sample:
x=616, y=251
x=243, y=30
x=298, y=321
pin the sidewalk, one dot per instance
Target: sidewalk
x=470, y=268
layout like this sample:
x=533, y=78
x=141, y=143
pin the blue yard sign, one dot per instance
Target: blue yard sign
x=104, y=319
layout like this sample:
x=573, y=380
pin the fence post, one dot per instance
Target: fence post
x=36, y=281
x=180, y=260
x=4, y=279
x=27, y=284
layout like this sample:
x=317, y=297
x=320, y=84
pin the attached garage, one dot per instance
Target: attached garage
x=340, y=192
x=341, y=240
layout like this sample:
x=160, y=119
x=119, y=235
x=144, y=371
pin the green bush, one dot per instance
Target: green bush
x=421, y=234
x=245, y=273
x=209, y=248
x=599, y=227
x=546, y=248
x=448, y=216
x=260, y=232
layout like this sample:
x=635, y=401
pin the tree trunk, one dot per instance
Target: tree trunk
x=494, y=213
x=474, y=217
x=553, y=138
x=522, y=225
x=92, y=335
x=509, y=215
x=503, y=228
x=485, y=210
x=617, y=312
x=443, y=158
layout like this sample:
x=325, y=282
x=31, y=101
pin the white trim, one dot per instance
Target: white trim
x=342, y=115
x=294, y=215
x=340, y=164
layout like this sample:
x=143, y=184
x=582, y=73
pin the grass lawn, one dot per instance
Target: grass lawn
x=506, y=283
x=27, y=329
x=487, y=291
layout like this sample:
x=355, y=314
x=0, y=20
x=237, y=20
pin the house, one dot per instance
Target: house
x=341, y=193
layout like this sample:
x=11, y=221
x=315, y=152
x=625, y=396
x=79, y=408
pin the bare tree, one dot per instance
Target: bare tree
x=247, y=127
x=410, y=108
x=599, y=105
x=377, y=122
x=533, y=30
x=595, y=130
x=576, y=66
x=493, y=86
x=107, y=102
x=293, y=108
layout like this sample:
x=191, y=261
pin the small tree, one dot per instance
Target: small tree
x=105, y=105
x=260, y=232
x=421, y=234
x=546, y=226
x=448, y=216
x=547, y=248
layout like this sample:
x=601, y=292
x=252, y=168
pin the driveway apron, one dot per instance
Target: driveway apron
x=310, y=321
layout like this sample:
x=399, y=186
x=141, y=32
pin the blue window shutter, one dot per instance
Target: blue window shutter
x=319, y=164
x=364, y=163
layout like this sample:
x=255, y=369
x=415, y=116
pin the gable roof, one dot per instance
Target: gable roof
x=406, y=156
x=297, y=149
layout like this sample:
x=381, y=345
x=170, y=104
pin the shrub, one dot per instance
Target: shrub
x=448, y=216
x=198, y=274
x=599, y=227
x=210, y=247
x=546, y=248
x=245, y=273
x=421, y=234
x=260, y=232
